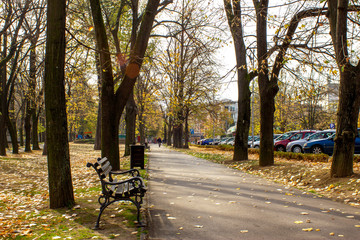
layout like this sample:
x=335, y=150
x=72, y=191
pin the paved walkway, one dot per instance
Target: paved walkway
x=191, y=198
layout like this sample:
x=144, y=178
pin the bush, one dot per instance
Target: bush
x=89, y=141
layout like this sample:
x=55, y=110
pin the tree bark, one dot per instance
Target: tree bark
x=35, y=136
x=130, y=119
x=349, y=99
x=233, y=12
x=59, y=171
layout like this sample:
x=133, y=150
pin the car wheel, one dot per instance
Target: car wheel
x=257, y=146
x=316, y=149
x=297, y=149
x=280, y=148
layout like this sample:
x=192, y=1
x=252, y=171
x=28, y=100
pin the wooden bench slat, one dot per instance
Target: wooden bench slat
x=106, y=170
x=102, y=160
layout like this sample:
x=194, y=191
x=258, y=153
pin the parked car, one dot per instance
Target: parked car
x=250, y=142
x=297, y=146
x=281, y=144
x=257, y=143
x=216, y=141
x=327, y=145
x=207, y=141
x=224, y=140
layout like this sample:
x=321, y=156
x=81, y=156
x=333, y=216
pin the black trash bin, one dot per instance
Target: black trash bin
x=137, y=156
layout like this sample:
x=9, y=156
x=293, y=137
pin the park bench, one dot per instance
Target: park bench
x=132, y=188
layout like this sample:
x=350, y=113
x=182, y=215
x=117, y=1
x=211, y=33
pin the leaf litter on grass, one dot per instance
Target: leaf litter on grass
x=24, y=211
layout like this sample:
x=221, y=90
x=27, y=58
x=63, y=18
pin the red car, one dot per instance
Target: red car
x=281, y=144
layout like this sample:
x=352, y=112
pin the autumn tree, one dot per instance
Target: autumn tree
x=189, y=68
x=268, y=77
x=113, y=101
x=234, y=16
x=60, y=183
x=11, y=42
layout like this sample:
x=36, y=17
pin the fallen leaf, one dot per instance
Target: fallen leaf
x=304, y=213
x=198, y=226
x=307, y=229
x=244, y=231
x=298, y=222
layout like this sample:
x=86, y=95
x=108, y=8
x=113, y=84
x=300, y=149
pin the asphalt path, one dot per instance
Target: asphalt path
x=192, y=198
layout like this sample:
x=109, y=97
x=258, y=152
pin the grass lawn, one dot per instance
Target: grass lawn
x=24, y=205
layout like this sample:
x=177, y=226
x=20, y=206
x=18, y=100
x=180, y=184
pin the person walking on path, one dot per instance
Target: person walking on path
x=191, y=198
x=159, y=141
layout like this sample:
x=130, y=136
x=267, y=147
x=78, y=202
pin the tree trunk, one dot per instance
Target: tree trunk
x=12, y=127
x=97, y=145
x=169, y=132
x=178, y=135
x=349, y=99
x=141, y=126
x=28, y=127
x=267, y=109
x=59, y=171
x=233, y=12
x=346, y=130
x=267, y=89
x=2, y=136
x=130, y=120
x=35, y=136
x=186, y=144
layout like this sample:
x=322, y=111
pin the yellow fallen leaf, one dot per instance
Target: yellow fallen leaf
x=307, y=229
x=244, y=231
x=304, y=213
x=298, y=222
x=332, y=234
x=358, y=226
x=318, y=230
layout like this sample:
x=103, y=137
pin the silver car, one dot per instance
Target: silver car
x=297, y=146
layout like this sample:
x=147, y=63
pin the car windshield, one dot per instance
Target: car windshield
x=314, y=136
x=285, y=136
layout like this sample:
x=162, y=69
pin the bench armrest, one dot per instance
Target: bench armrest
x=133, y=172
x=130, y=180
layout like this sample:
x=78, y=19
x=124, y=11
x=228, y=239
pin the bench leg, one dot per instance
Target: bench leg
x=102, y=208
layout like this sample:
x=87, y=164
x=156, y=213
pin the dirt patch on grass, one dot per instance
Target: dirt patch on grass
x=24, y=211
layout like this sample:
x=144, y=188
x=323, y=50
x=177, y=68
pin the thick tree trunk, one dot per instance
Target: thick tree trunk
x=346, y=130
x=267, y=109
x=178, y=136
x=60, y=182
x=130, y=120
x=349, y=97
x=13, y=135
x=11, y=123
x=186, y=133
x=267, y=88
x=233, y=13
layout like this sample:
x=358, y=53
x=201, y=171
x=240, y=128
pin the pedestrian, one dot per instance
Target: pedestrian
x=159, y=141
